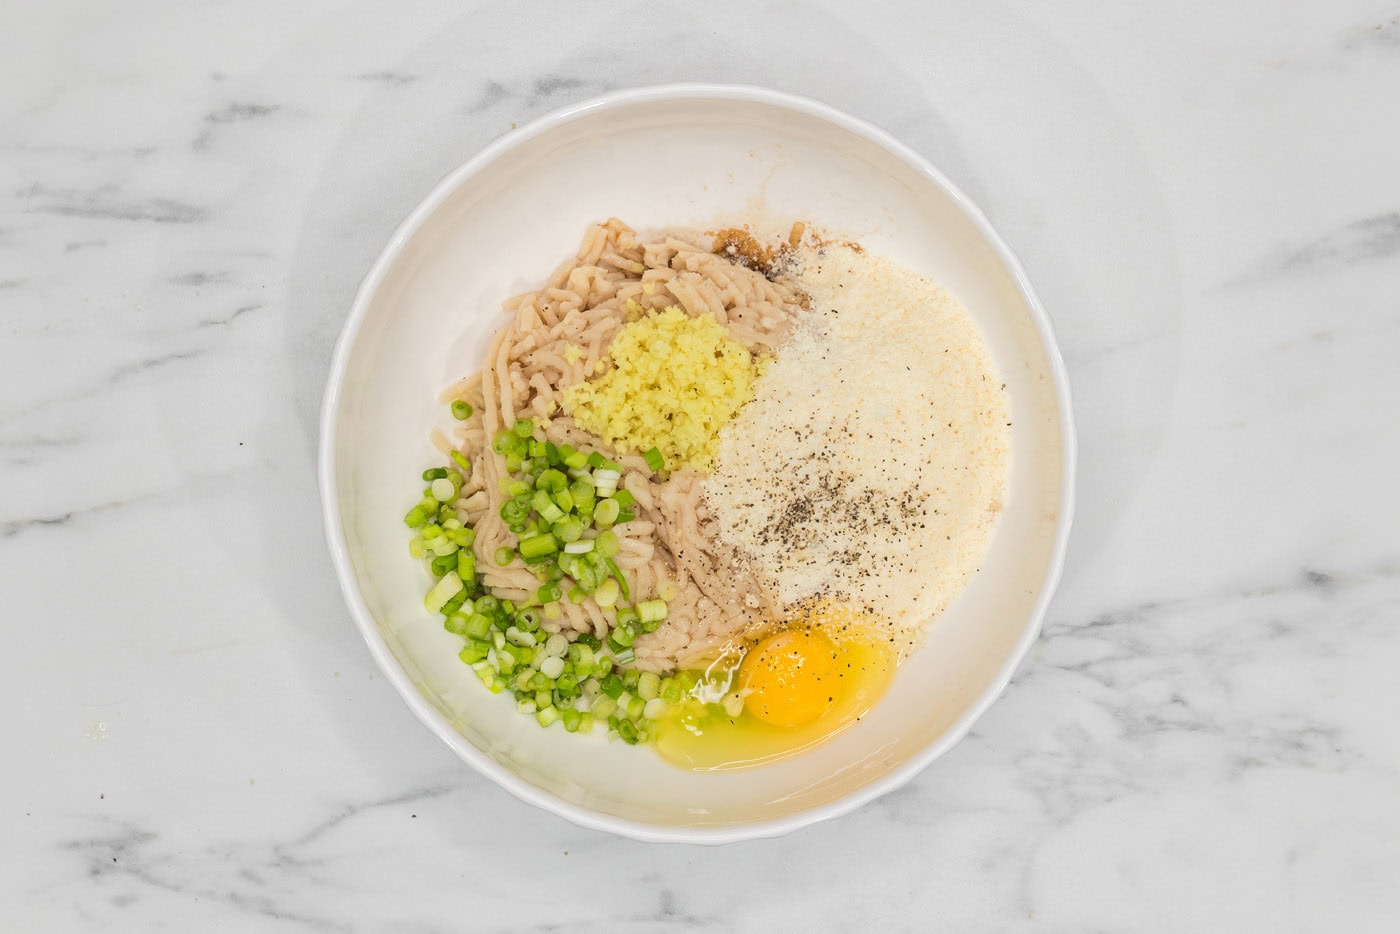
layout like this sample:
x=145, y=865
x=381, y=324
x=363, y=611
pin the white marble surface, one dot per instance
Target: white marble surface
x=194, y=735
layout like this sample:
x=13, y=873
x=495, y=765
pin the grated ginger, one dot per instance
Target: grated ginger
x=676, y=381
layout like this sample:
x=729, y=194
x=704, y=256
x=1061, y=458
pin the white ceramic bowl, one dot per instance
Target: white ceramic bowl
x=700, y=156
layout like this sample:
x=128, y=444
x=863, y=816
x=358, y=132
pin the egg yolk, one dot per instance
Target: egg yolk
x=791, y=677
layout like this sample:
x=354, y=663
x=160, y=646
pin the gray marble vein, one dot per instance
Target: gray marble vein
x=103, y=204
x=1371, y=238
x=388, y=77
x=10, y=527
x=1383, y=35
x=239, y=112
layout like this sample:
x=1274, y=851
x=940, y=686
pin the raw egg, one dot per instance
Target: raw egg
x=784, y=693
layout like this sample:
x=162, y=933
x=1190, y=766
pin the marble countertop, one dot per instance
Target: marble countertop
x=195, y=737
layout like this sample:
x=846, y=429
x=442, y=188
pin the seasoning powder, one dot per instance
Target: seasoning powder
x=871, y=466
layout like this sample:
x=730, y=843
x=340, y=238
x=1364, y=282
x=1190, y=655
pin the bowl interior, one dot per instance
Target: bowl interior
x=499, y=227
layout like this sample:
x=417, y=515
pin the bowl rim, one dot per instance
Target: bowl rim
x=364, y=619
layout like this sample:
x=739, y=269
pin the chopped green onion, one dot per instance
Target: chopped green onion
x=551, y=480
x=442, y=545
x=518, y=637
x=461, y=410
x=445, y=589
x=606, y=480
x=655, y=709
x=582, y=491
x=537, y=546
x=607, y=543
x=511, y=513
x=584, y=574
x=607, y=593
x=478, y=626
x=651, y=610
x=569, y=530
x=606, y=512
x=474, y=651
x=455, y=604
x=564, y=527
x=524, y=428
x=671, y=691
x=546, y=508
x=621, y=580
x=603, y=706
